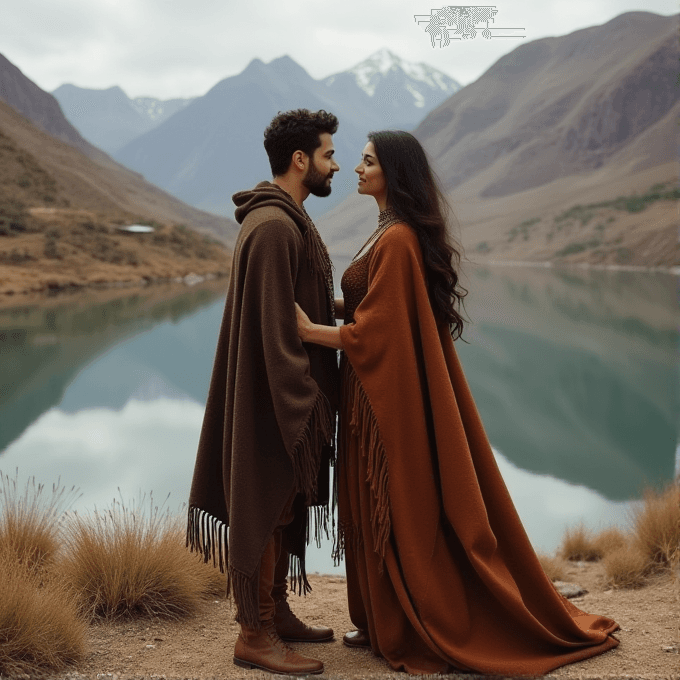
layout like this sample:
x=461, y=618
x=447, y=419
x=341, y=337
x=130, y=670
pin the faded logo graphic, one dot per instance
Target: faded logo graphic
x=460, y=22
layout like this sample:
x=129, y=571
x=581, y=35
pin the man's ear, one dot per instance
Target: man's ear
x=300, y=160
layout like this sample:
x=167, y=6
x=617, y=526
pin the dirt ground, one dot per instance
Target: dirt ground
x=202, y=647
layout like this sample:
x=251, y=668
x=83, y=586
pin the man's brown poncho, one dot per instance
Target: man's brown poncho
x=439, y=568
x=270, y=413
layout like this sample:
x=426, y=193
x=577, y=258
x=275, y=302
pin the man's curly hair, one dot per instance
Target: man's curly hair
x=293, y=131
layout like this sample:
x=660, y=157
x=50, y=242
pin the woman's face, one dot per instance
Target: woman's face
x=371, y=177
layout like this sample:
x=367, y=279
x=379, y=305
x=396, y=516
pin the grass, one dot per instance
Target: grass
x=657, y=526
x=522, y=229
x=554, y=566
x=633, y=203
x=40, y=628
x=626, y=568
x=126, y=563
x=60, y=571
x=578, y=544
x=651, y=547
x=29, y=521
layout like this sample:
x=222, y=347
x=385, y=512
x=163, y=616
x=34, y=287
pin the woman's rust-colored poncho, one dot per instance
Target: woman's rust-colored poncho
x=440, y=571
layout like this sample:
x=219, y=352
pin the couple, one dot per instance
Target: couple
x=440, y=573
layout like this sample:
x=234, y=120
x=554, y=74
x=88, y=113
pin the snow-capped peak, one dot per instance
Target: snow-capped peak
x=374, y=68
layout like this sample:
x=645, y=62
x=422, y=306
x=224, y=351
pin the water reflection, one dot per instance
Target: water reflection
x=73, y=352
x=576, y=375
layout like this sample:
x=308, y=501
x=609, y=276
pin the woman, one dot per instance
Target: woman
x=440, y=573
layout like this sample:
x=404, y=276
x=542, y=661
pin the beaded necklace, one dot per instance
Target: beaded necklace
x=386, y=219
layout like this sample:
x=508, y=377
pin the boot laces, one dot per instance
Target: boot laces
x=277, y=641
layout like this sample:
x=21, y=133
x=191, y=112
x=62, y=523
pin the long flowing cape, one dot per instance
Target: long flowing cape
x=445, y=526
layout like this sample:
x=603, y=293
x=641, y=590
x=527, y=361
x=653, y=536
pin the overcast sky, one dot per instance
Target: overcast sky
x=182, y=48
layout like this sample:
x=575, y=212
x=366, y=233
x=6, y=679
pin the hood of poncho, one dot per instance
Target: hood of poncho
x=268, y=195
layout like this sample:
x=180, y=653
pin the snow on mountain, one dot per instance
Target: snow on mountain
x=371, y=72
x=157, y=110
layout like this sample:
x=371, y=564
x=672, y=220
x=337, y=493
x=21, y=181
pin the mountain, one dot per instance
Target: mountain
x=39, y=142
x=536, y=152
x=40, y=107
x=397, y=92
x=109, y=119
x=213, y=147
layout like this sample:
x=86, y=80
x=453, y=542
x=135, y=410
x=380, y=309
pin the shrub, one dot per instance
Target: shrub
x=40, y=630
x=127, y=563
x=50, y=250
x=656, y=526
x=578, y=545
x=554, y=567
x=626, y=567
x=29, y=521
x=609, y=540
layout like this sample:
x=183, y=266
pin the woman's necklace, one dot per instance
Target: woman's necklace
x=386, y=219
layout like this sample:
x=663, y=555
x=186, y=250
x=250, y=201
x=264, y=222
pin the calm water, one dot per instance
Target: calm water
x=576, y=375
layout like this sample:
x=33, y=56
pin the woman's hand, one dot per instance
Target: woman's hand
x=340, y=308
x=328, y=336
x=303, y=323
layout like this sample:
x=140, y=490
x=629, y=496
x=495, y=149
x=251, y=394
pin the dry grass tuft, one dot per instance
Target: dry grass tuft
x=656, y=526
x=127, y=563
x=626, y=567
x=40, y=631
x=554, y=567
x=610, y=540
x=29, y=521
x=578, y=544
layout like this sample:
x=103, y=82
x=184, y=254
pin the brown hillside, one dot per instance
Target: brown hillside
x=558, y=106
x=558, y=124
x=60, y=219
x=40, y=107
x=83, y=183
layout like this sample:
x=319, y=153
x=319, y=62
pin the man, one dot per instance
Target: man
x=269, y=422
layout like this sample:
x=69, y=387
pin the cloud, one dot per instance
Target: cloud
x=183, y=48
x=148, y=446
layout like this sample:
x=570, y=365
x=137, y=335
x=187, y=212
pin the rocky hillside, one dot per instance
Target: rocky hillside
x=61, y=220
x=559, y=106
x=574, y=125
x=86, y=177
x=40, y=107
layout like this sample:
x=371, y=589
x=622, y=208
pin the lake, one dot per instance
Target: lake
x=576, y=374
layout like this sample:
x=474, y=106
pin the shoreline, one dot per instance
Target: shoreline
x=50, y=286
x=54, y=289
x=548, y=264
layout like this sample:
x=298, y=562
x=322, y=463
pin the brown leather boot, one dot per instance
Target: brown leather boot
x=265, y=650
x=291, y=629
x=288, y=626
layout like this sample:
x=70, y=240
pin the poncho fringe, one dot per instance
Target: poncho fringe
x=364, y=426
x=207, y=535
x=306, y=452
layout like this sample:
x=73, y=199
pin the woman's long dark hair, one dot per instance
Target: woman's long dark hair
x=413, y=193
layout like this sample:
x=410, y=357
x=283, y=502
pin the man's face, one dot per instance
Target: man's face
x=321, y=167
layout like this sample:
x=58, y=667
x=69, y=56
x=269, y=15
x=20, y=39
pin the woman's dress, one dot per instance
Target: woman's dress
x=440, y=571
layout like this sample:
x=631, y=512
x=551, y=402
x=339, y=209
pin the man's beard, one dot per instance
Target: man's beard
x=315, y=181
